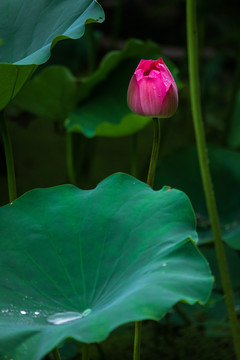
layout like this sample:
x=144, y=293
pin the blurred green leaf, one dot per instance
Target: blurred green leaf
x=129, y=124
x=28, y=32
x=122, y=250
x=103, y=109
x=213, y=315
x=181, y=170
x=233, y=260
x=102, y=97
x=50, y=95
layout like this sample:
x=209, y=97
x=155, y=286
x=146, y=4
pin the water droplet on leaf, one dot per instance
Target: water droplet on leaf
x=23, y=312
x=65, y=317
x=5, y=310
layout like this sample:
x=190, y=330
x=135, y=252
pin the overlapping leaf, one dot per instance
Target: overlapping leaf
x=28, y=32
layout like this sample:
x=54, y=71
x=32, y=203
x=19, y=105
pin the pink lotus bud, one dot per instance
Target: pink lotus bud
x=152, y=90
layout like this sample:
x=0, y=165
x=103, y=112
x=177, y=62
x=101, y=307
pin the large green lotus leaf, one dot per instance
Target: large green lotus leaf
x=181, y=170
x=103, y=109
x=50, y=95
x=29, y=30
x=78, y=263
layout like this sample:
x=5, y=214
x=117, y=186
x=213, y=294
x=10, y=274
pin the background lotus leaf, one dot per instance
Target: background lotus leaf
x=181, y=170
x=234, y=137
x=122, y=250
x=51, y=94
x=29, y=31
x=102, y=108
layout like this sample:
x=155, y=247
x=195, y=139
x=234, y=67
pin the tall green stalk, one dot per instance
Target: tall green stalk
x=150, y=181
x=205, y=171
x=9, y=158
x=155, y=151
x=137, y=340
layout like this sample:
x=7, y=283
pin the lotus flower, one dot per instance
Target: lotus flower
x=152, y=90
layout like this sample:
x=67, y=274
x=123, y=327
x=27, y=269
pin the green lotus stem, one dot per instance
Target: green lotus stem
x=70, y=159
x=9, y=158
x=55, y=354
x=155, y=151
x=205, y=171
x=150, y=182
x=137, y=340
x=85, y=351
